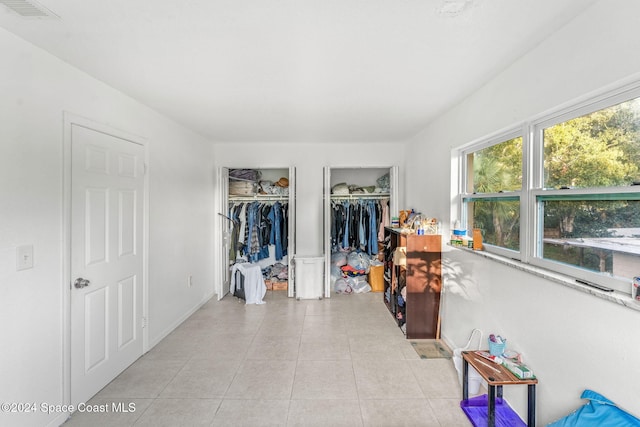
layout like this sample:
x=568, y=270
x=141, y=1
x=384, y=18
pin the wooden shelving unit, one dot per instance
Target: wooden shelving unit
x=421, y=274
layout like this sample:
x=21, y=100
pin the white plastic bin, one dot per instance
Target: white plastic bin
x=475, y=380
x=309, y=277
x=474, y=377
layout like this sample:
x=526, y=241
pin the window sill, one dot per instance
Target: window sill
x=615, y=296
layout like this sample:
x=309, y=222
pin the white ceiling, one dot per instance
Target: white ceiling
x=295, y=70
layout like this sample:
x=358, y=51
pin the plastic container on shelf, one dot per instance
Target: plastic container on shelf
x=458, y=234
x=496, y=349
x=458, y=230
x=477, y=239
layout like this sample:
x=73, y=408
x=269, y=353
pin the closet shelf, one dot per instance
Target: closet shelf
x=265, y=197
x=373, y=196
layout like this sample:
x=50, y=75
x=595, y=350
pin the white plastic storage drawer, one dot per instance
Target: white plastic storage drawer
x=309, y=277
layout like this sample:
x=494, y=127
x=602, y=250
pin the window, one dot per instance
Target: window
x=596, y=235
x=494, y=186
x=563, y=192
x=600, y=149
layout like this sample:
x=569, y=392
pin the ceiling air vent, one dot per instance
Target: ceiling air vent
x=29, y=9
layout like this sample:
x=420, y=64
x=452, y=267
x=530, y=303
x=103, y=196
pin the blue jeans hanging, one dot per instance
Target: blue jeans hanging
x=275, y=216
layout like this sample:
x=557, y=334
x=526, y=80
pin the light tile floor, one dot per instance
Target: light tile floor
x=334, y=362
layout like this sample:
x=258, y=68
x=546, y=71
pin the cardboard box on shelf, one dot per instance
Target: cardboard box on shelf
x=518, y=369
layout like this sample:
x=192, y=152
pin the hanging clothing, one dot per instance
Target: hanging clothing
x=263, y=230
x=337, y=223
x=275, y=234
x=372, y=236
x=284, y=228
x=347, y=211
x=253, y=239
x=362, y=226
x=235, y=231
x=355, y=225
x=261, y=224
x=385, y=220
x=242, y=217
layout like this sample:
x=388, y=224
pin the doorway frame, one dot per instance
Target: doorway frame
x=394, y=203
x=70, y=119
x=221, y=206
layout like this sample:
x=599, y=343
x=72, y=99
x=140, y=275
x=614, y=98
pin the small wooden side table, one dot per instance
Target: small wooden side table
x=496, y=376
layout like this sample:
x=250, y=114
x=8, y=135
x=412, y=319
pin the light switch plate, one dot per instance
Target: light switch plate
x=24, y=257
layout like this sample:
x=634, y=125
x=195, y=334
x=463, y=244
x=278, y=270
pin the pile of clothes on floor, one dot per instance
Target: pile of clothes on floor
x=277, y=272
x=349, y=271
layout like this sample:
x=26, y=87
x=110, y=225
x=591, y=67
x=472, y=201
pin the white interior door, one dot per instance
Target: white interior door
x=394, y=200
x=225, y=229
x=327, y=231
x=107, y=202
x=291, y=235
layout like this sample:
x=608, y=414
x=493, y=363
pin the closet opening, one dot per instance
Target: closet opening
x=358, y=203
x=258, y=223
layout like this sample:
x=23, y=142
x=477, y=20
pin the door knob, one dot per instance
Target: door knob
x=81, y=283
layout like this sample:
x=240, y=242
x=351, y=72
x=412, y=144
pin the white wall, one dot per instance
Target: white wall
x=36, y=88
x=181, y=220
x=571, y=340
x=309, y=160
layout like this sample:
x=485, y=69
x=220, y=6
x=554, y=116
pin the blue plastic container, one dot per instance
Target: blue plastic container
x=497, y=349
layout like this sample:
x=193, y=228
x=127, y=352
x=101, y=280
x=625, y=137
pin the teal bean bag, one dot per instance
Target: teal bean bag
x=598, y=412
